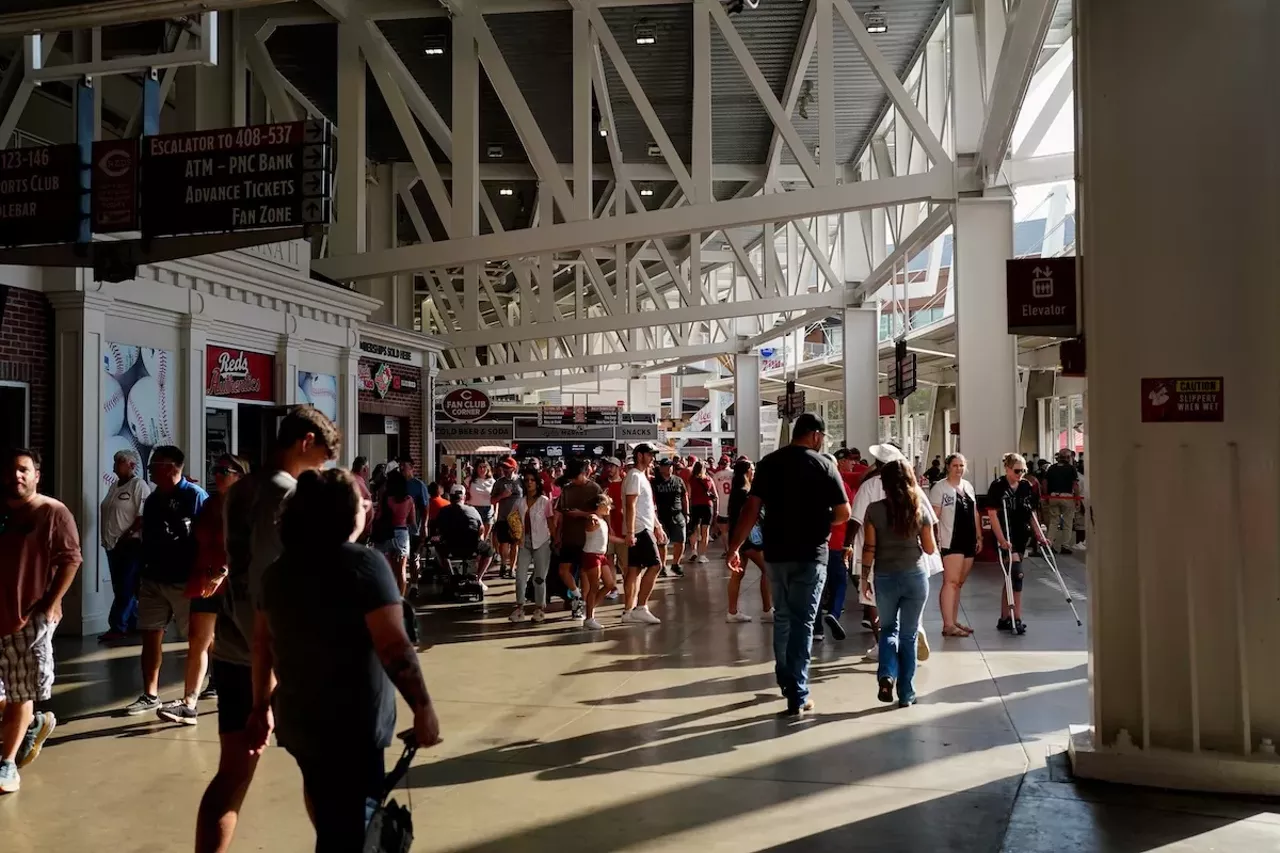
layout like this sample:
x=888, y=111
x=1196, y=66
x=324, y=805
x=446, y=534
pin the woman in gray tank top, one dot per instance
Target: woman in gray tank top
x=898, y=535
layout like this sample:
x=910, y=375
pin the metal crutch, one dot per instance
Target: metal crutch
x=1006, y=566
x=1046, y=554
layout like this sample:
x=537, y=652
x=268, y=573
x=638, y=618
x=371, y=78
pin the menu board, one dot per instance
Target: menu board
x=237, y=179
x=40, y=195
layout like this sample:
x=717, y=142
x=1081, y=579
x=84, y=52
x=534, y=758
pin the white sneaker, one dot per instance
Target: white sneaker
x=592, y=625
x=702, y=558
x=627, y=617
x=484, y=587
x=873, y=653
x=538, y=616
x=767, y=616
x=517, y=615
x=922, y=646
x=642, y=615
x=737, y=617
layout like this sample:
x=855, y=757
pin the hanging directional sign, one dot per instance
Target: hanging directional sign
x=237, y=179
x=902, y=381
x=40, y=195
x=579, y=415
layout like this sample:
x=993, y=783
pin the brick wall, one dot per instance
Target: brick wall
x=26, y=355
x=397, y=403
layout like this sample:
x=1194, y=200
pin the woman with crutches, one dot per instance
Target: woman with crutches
x=1012, y=506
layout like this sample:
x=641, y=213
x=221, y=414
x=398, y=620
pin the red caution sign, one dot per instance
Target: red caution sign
x=1187, y=400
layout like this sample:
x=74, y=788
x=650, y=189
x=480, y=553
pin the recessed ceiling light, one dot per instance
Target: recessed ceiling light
x=604, y=131
x=494, y=151
x=645, y=34
x=506, y=191
x=654, y=150
x=646, y=190
x=875, y=21
x=434, y=45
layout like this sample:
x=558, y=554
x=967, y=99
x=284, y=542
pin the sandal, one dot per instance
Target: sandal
x=965, y=628
x=953, y=631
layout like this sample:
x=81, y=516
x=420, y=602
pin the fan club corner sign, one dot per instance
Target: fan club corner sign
x=466, y=404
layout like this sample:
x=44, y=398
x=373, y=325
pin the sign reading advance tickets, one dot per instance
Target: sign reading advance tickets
x=40, y=195
x=466, y=404
x=1197, y=400
x=240, y=375
x=236, y=179
x=1042, y=296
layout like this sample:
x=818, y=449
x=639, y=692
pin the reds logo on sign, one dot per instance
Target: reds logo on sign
x=466, y=404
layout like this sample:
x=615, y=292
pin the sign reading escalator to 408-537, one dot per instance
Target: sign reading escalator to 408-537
x=237, y=179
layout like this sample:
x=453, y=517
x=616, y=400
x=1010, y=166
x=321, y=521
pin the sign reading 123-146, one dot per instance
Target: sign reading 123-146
x=237, y=179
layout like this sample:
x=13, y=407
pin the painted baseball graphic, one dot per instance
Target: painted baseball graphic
x=138, y=403
x=321, y=391
x=112, y=405
x=119, y=359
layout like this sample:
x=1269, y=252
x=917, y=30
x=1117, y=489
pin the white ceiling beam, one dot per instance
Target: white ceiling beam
x=799, y=322
x=936, y=185
x=898, y=94
x=619, y=322
x=1040, y=170
x=1044, y=119
x=933, y=226
x=600, y=360
x=1023, y=42
x=268, y=77
x=570, y=380
x=781, y=118
x=25, y=86
x=791, y=94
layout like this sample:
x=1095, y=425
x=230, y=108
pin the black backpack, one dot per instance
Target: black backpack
x=390, y=829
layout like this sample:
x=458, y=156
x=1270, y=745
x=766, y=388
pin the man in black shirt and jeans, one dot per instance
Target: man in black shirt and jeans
x=1062, y=490
x=803, y=496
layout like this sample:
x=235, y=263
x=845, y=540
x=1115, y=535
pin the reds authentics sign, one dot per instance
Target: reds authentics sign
x=466, y=404
x=1042, y=296
x=1193, y=400
x=40, y=195
x=240, y=375
x=236, y=179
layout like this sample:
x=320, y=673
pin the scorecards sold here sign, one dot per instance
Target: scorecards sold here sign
x=1042, y=296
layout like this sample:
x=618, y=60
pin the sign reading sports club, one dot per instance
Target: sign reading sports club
x=239, y=374
x=466, y=404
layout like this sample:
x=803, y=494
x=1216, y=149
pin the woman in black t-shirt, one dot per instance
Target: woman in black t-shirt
x=1012, y=505
x=331, y=627
x=752, y=551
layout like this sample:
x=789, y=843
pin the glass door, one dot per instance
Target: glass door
x=219, y=438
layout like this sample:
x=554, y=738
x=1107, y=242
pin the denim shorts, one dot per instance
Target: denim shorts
x=398, y=544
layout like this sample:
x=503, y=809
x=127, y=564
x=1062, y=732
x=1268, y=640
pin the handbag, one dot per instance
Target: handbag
x=390, y=829
x=515, y=525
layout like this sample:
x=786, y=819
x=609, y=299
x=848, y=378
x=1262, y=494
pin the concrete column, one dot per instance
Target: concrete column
x=1184, y=625
x=967, y=85
x=986, y=352
x=746, y=404
x=349, y=404
x=861, y=376
x=287, y=371
x=380, y=220
x=349, y=233
x=192, y=359
x=677, y=396
x=206, y=94
x=716, y=401
x=430, y=368
x=79, y=329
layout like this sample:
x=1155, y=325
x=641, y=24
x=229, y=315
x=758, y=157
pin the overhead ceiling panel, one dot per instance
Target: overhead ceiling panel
x=665, y=72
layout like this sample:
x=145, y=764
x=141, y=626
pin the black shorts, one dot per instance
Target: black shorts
x=674, y=528
x=699, y=515
x=723, y=519
x=968, y=553
x=502, y=532
x=570, y=555
x=644, y=554
x=212, y=604
x=235, y=695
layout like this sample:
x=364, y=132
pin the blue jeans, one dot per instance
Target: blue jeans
x=124, y=562
x=344, y=790
x=797, y=589
x=900, y=598
x=837, y=585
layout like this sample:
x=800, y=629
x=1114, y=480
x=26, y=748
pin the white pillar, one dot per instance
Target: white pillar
x=1184, y=626
x=677, y=397
x=986, y=352
x=967, y=86
x=716, y=401
x=746, y=404
x=430, y=368
x=381, y=221
x=349, y=404
x=861, y=376
x=195, y=330
x=348, y=235
x=79, y=328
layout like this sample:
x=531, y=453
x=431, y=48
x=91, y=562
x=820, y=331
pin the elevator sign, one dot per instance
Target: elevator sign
x=1042, y=296
x=1197, y=400
x=237, y=179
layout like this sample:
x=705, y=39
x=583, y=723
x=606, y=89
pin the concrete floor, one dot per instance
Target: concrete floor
x=659, y=739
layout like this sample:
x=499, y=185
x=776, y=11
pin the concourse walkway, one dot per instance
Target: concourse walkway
x=660, y=739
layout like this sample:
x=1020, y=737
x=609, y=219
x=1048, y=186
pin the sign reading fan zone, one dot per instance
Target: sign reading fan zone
x=466, y=404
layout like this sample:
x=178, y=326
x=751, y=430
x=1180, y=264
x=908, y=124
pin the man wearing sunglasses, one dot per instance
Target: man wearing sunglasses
x=1012, y=506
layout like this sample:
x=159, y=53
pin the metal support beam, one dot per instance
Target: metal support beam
x=1023, y=41
x=25, y=86
x=600, y=360
x=936, y=185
